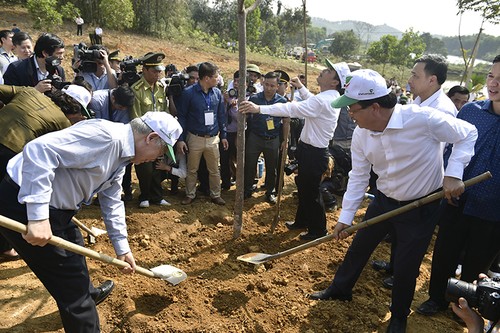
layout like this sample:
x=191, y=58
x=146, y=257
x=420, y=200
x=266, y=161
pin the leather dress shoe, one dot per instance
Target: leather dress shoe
x=388, y=282
x=431, y=307
x=330, y=293
x=218, y=201
x=187, y=201
x=310, y=236
x=382, y=265
x=103, y=291
x=291, y=225
x=4, y=257
x=397, y=325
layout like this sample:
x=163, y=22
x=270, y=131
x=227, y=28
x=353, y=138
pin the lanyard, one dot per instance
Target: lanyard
x=207, y=99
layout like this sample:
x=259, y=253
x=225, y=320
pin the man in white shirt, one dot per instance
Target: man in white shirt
x=79, y=25
x=51, y=179
x=312, y=151
x=6, y=54
x=403, y=144
x=427, y=76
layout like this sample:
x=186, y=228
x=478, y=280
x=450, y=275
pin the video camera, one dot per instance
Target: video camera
x=485, y=296
x=129, y=72
x=87, y=57
x=176, y=81
x=250, y=90
x=56, y=81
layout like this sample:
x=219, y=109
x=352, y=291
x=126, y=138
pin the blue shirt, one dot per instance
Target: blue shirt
x=191, y=111
x=483, y=200
x=258, y=123
x=101, y=105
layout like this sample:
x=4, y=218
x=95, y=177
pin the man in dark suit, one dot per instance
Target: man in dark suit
x=33, y=72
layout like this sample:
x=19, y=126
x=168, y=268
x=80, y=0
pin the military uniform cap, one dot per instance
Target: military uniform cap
x=253, y=68
x=154, y=60
x=114, y=55
x=284, y=77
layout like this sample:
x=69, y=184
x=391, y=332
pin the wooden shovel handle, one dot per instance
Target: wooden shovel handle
x=83, y=226
x=62, y=243
x=380, y=218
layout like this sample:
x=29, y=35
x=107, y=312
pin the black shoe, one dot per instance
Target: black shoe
x=291, y=225
x=310, y=236
x=397, y=325
x=431, y=307
x=330, y=293
x=388, y=282
x=103, y=291
x=381, y=265
x=127, y=197
x=271, y=198
x=174, y=190
x=247, y=195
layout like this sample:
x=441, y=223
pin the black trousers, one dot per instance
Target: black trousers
x=478, y=238
x=79, y=29
x=228, y=160
x=413, y=230
x=63, y=273
x=312, y=162
x=149, y=182
x=127, y=179
x=5, y=155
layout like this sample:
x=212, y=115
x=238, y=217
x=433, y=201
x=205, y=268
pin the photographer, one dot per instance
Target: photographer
x=474, y=322
x=93, y=65
x=32, y=72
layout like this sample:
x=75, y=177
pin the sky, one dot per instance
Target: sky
x=438, y=17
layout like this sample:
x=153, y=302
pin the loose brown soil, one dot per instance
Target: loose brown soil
x=221, y=293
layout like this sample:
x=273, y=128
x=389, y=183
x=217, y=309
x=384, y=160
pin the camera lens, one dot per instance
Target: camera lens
x=456, y=289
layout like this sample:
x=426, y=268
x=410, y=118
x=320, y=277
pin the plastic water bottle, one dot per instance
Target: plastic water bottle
x=260, y=167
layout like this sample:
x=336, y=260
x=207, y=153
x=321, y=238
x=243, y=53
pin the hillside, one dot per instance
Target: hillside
x=366, y=31
x=221, y=294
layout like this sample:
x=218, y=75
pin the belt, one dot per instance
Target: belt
x=268, y=138
x=203, y=135
x=406, y=202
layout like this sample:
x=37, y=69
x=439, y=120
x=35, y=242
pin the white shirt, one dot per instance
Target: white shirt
x=98, y=31
x=439, y=101
x=320, y=117
x=65, y=169
x=79, y=21
x=6, y=58
x=407, y=155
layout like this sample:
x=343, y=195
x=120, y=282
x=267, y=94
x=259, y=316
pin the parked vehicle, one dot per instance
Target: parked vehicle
x=311, y=57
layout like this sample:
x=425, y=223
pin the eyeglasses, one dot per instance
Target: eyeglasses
x=350, y=110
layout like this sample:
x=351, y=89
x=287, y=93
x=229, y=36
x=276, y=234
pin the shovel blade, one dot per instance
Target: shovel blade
x=98, y=232
x=169, y=273
x=255, y=258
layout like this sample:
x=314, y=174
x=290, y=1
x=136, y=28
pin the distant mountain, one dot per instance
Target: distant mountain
x=366, y=31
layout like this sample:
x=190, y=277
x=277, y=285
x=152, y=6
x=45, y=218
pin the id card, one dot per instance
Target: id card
x=209, y=118
x=270, y=124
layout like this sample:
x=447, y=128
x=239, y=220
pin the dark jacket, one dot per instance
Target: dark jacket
x=23, y=73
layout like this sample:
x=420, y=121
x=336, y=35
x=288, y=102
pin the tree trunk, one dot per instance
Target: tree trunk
x=240, y=139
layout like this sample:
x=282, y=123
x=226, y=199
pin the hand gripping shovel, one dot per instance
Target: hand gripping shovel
x=169, y=273
x=260, y=258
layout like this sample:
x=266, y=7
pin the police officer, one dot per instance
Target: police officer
x=149, y=96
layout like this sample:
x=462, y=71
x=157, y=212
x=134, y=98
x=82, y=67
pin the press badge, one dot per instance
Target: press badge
x=209, y=118
x=270, y=124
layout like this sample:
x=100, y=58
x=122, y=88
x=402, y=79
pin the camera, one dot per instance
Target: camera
x=176, y=83
x=485, y=296
x=291, y=167
x=128, y=68
x=56, y=81
x=88, y=57
x=250, y=90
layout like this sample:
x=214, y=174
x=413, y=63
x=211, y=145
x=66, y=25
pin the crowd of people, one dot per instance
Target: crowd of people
x=77, y=139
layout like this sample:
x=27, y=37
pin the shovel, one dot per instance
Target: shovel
x=92, y=233
x=169, y=273
x=260, y=258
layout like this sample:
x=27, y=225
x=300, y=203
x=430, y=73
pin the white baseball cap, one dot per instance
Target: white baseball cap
x=342, y=70
x=362, y=85
x=80, y=94
x=166, y=126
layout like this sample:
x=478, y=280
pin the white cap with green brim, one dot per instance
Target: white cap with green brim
x=166, y=126
x=362, y=85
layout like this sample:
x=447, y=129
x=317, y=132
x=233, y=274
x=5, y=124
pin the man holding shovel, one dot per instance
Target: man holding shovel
x=49, y=181
x=403, y=143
